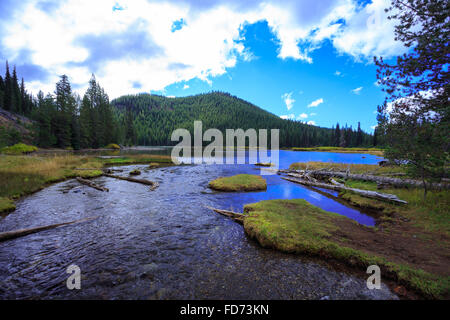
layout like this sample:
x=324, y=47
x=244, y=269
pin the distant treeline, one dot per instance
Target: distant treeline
x=65, y=120
x=155, y=117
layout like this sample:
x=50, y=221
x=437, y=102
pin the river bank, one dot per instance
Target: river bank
x=372, y=151
x=24, y=175
x=410, y=243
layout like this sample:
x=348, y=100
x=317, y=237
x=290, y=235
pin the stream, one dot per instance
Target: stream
x=165, y=244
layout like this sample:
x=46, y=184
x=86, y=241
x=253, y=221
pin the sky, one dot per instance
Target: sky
x=306, y=60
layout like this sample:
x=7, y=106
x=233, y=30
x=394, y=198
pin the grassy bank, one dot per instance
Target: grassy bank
x=240, y=182
x=373, y=151
x=296, y=226
x=22, y=175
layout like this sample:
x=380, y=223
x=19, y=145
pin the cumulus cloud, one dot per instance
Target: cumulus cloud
x=303, y=116
x=315, y=103
x=185, y=87
x=313, y=123
x=288, y=116
x=287, y=98
x=357, y=90
x=155, y=44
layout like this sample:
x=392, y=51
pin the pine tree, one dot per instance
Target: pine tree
x=8, y=89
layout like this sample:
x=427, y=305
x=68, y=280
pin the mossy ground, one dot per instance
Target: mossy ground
x=373, y=151
x=22, y=175
x=296, y=226
x=240, y=182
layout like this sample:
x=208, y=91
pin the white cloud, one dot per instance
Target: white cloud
x=207, y=44
x=312, y=114
x=315, y=103
x=303, y=116
x=287, y=98
x=338, y=73
x=288, y=116
x=357, y=90
x=185, y=87
x=373, y=127
x=369, y=33
x=313, y=123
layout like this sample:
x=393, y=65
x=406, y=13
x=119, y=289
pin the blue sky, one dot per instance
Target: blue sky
x=304, y=60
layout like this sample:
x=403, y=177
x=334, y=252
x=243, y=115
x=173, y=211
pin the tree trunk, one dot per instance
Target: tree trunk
x=91, y=184
x=365, y=193
x=153, y=185
x=23, y=232
x=396, y=182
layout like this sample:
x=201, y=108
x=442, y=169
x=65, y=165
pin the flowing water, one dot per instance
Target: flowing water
x=165, y=244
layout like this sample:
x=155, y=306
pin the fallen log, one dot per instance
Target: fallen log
x=153, y=185
x=365, y=193
x=8, y=235
x=395, y=182
x=238, y=217
x=91, y=184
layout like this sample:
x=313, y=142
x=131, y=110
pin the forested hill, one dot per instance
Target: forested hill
x=150, y=119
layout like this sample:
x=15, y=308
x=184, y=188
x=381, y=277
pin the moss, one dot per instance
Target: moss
x=6, y=205
x=19, y=148
x=135, y=172
x=295, y=226
x=240, y=182
x=264, y=164
x=113, y=146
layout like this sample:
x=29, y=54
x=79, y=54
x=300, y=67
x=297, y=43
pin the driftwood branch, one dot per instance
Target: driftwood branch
x=23, y=232
x=153, y=185
x=238, y=217
x=365, y=193
x=91, y=184
x=396, y=182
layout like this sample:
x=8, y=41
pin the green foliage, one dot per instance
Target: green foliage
x=150, y=119
x=19, y=148
x=415, y=118
x=240, y=182
x=9, y=136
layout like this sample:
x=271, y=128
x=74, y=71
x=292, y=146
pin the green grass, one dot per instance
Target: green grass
x=240, y=182
x=6, y=205
x=373, y=151
x=296, y=226
x=19, y=148
x=430, y=213
x=137, y=159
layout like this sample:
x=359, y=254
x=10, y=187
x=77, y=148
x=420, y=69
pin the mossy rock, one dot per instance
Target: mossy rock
x=264, y=164
x=153, y=165
x=240, y=182
x=135, y=172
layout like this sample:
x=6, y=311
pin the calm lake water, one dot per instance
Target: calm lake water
x=165, y=244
